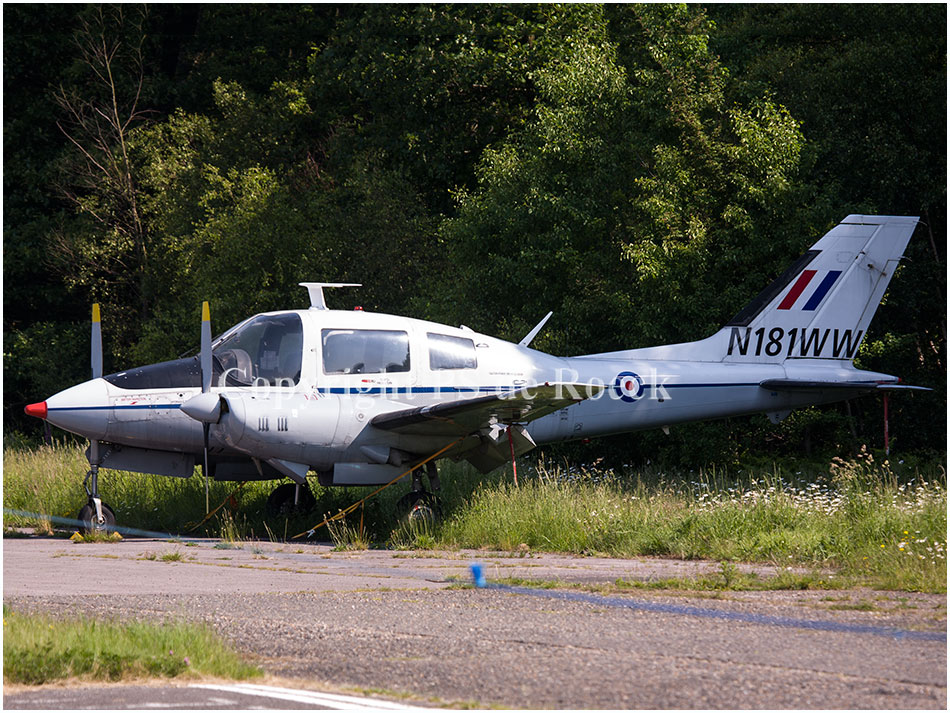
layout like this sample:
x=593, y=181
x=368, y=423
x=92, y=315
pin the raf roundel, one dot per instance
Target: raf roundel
x=628, y=386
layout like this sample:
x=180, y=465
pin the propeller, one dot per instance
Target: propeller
x=206, y=376
x=205, y=407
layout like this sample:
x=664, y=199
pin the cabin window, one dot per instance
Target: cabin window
x=365, y=351
x=264, y=351
x=447, y=352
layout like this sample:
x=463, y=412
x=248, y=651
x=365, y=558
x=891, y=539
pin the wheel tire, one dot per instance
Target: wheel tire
x=420, y=506
x=280, y=503
x=87, y=516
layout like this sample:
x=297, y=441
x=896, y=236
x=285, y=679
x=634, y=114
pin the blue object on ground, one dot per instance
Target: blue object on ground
x=478, y=575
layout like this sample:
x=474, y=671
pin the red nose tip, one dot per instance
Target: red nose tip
x=38, y=410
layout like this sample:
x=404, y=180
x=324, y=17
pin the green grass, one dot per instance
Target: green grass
x=873, y=523
x=861, y=522
x=40, y=649
x=92, y=538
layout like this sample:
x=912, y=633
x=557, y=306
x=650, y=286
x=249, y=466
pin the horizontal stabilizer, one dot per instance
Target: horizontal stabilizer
x=803, y=385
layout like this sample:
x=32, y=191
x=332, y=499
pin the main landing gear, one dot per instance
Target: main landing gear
x=290, y=499
x=419, y=504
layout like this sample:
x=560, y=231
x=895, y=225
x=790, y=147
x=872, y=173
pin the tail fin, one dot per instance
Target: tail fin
x=821, y=306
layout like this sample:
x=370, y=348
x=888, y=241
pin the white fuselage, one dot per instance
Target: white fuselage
x=324, y=417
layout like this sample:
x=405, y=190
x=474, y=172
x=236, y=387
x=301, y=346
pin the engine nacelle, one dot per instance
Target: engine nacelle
x=293, y=427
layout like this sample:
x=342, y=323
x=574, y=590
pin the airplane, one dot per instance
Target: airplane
x=358, y=397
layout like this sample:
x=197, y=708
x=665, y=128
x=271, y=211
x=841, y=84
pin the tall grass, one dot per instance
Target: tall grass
x=49, y=480
x=882, y=524
x=40, y=649
x=859, y=519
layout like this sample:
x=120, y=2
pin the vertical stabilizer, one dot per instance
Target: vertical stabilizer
x=821, y=306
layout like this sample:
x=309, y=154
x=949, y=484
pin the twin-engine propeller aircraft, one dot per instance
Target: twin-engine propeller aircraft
x=359, y=397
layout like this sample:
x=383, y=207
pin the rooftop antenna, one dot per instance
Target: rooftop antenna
x=316, y=291
x=534, y=332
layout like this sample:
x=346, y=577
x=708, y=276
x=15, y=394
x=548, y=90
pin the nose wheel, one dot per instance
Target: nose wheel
x=96, y=518
x=95, y=515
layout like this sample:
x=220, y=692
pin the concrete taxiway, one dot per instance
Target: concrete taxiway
x=406, y=623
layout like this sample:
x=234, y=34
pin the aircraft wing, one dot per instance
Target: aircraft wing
x=805, y=385
x=468, y=416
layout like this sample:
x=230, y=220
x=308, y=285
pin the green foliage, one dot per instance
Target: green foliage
x=633, y=182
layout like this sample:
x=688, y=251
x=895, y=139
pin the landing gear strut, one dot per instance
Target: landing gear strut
x=95, y=515
x=420, y=504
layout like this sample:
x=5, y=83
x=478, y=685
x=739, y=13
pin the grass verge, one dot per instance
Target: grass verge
x=39, y=649
x=874, y=523
x=860, y=520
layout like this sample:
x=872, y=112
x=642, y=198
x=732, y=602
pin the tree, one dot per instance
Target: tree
x=40, y=318
x=109, y=249
x=477, y=164
x=631, y=185
x=869, y=84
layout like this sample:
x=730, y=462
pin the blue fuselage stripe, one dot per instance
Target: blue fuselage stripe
x=357, y=391
x=121, y=408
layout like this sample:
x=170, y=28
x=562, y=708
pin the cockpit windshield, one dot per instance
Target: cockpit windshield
x=264, y=351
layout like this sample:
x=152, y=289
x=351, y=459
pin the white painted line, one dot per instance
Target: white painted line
x=329, y=700
x=222, y=701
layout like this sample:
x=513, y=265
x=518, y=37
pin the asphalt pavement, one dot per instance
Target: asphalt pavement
x=406, y=627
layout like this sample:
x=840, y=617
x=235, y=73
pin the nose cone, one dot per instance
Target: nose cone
x=83, y=409
x=36, y=410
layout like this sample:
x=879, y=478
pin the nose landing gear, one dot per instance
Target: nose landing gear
x=95, y=515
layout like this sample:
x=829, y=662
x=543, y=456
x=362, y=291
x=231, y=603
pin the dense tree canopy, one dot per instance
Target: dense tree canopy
x=475, y=163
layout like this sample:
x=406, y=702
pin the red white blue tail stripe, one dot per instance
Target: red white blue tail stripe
x=816, y=297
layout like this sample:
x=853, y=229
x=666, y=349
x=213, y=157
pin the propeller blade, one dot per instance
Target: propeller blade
x=96, y=343
x=206, y=376
x=205, y=468
x=205, y=349
x=96, y=362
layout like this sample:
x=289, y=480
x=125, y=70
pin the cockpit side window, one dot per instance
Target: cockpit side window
x=365, y=351
x=266, y=351
x=447, y=352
